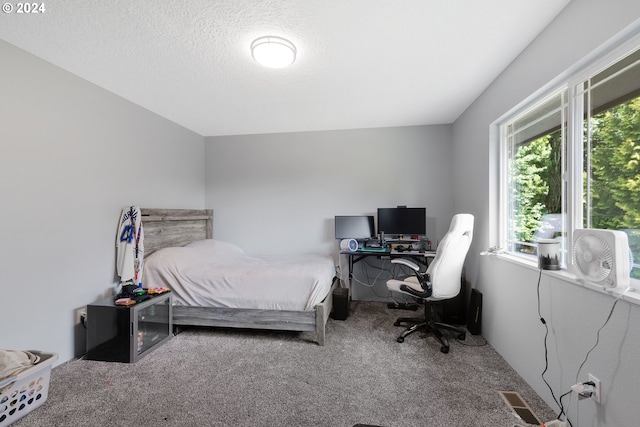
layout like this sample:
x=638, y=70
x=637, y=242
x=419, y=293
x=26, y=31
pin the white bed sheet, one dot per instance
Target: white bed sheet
x=212, y=273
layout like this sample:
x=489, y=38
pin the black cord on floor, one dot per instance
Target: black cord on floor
x=473, y=345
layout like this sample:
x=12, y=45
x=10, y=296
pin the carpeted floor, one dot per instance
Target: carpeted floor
x=217, y=377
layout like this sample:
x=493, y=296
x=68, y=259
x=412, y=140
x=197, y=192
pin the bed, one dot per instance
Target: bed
x=180, y=253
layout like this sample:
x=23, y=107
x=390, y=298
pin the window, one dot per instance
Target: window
x=534, y=144
x=572, y=160
x=611, y=150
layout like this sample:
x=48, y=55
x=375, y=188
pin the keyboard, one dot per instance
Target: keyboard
x=407, y=253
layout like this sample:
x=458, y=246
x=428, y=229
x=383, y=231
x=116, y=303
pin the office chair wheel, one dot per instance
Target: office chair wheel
x=397, y=323
x=400, y=339
x=444, y=349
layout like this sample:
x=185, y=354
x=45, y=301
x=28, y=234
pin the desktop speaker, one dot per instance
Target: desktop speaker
x=474, y=319
x=349, y=245
x=340, y=304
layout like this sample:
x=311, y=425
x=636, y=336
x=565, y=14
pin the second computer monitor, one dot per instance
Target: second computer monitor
x=354, y=227
x=402, y=221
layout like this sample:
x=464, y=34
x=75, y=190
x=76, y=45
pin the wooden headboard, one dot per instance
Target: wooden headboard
x=165, y=228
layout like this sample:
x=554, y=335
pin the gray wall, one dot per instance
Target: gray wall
x=73, y=155
x=279, y=193
x=65, y=175
x=510, y=319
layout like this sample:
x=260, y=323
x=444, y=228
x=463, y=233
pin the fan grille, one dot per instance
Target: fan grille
x=593, y=257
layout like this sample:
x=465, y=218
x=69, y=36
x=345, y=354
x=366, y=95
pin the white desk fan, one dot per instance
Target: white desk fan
x=602, y=257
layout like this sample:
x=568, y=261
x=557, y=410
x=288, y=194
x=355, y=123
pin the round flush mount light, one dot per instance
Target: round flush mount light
x=273, y=52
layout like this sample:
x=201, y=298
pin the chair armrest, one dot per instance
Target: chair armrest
x=426, y=294
x=423, y=279
x=415, y=267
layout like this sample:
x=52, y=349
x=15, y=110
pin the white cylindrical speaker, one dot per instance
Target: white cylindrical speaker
x=548, y=254
x=349, y=245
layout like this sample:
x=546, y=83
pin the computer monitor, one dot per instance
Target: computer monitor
x=402, y=221
x=354, y=227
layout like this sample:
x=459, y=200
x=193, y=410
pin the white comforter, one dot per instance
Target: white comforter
x=212, y=273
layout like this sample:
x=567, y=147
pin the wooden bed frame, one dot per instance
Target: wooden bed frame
x=177, y=227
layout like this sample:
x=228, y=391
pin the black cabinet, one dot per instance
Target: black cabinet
x=127, y=334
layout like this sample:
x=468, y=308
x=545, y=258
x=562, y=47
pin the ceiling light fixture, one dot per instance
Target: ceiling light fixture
x=273, y=52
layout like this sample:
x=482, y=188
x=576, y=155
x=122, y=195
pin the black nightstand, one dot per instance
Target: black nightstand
x=127, y=334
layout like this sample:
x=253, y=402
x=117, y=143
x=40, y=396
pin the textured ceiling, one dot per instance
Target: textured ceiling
x=360, y=63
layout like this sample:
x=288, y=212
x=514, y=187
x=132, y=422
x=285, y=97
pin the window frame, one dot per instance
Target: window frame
x=607, y=55
x=505, y=200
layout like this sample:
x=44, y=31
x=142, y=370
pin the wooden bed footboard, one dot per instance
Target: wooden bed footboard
x=323, y=310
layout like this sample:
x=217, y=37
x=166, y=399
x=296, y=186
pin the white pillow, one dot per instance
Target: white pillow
x=214, y=247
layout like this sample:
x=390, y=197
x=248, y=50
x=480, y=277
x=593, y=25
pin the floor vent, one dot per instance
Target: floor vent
x=520, y=407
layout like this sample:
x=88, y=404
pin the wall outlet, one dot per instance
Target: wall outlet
x=80, y=314
x=597, y=393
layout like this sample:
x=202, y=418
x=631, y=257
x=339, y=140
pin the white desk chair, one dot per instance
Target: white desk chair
x=441, y=280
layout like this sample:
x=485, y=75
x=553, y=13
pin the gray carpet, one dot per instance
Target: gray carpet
x=216, y=377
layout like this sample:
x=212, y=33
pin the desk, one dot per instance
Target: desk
x=356, y=256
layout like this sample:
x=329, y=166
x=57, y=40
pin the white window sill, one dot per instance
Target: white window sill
x=632, y=295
